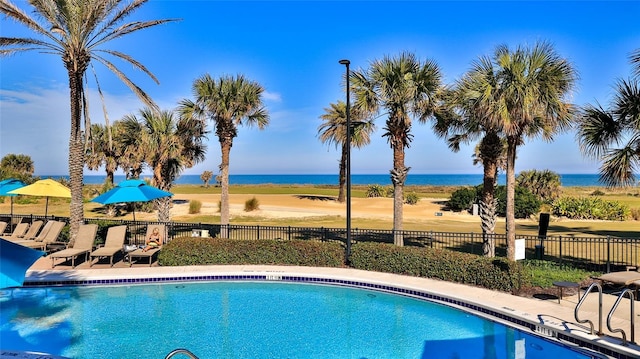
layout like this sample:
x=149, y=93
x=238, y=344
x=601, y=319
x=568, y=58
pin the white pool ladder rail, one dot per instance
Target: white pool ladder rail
x=180, y=351
x=610, y=315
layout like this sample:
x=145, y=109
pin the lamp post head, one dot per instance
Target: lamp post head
x=344, y=62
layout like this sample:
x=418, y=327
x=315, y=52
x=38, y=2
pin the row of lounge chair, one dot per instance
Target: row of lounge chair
x=45, y=238
x=36, y=235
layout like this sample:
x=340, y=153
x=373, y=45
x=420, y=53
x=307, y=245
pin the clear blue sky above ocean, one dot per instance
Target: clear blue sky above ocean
x=292, y=48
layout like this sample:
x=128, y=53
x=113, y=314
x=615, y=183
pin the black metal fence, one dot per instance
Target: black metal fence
x=594, y=253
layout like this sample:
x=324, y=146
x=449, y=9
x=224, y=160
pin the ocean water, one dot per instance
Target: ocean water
x=567, y=180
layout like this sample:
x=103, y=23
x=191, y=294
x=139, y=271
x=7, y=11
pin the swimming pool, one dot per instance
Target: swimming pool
x=248, y=319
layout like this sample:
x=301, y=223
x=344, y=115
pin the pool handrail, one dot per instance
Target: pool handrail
x=181, y=351
x=584, y=296
x=613, y=309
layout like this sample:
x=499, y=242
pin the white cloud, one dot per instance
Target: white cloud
x=272, y=96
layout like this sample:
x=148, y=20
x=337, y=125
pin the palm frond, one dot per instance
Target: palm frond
x=13, y=12
x=635, y=60
x=619, y=167
x=133, y=62
x=137, y=90
x=125, y=30
x=597, y=130
x=626, y=104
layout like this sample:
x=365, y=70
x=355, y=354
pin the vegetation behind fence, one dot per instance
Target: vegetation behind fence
x=593, y=253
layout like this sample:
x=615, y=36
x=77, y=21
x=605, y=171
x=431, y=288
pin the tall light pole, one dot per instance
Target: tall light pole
x=346, y=63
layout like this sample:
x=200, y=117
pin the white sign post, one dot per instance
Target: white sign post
x=520, y=248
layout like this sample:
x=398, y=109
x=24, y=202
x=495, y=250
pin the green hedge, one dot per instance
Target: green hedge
x=209, y=251
x=491, y=273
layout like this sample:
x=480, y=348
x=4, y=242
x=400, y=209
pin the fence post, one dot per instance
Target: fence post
x=258, y=231
x=608, y=254
x=289, y=233
x=560, y=248
x=473, y=244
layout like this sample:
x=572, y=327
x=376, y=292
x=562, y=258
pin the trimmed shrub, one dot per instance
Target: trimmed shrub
x=195, y=206
x=376, y=190
x=462, y=199
x=207, y=251
x=411, y=198
x=590, y=208
x=491, y=273
x=526, y=203
x=251, y=205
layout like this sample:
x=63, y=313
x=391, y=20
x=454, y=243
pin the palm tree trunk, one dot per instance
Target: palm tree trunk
x=511, y=190
x=225, y=148
x=76, y=154
x=163, y=205
x=110, y=177
x=398, y=177
x=164, y=209
x=488, y=209
x=343, y=174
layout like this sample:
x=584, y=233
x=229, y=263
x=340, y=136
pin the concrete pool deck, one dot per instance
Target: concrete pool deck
x=553, y=317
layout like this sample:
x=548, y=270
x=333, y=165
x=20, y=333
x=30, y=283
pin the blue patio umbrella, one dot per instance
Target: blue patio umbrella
x=9, y=185
x=133, y=190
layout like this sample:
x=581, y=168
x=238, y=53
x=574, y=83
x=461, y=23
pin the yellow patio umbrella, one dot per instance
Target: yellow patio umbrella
x=44, y=188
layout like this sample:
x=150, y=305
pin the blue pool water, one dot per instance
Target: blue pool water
x=252, y=320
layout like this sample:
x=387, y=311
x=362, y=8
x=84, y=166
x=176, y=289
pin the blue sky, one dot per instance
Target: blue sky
x=292, y=48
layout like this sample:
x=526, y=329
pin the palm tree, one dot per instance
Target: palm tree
x=334, y=130
x=169, y=146
x=601, y=130
x=101, y=152
x=16, y=166
x=544, y=184
x=229, y=102
x=528, y=100
x=206, y=176
x=469, y=120
x=402, y=87
x=77, y=31
x=127, y=138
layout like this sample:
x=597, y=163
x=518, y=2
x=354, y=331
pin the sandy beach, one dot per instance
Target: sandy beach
x=304, y=206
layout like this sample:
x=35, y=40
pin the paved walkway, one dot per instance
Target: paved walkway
x=546, y=311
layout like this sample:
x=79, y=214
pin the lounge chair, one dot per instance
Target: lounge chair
x=622, y=279
x=32, y=232
x=83, y=245
x=3, y=226
x=28, y=238
x=112, y=245
x=18, y=232
x=47, y=236
x=141, y=253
